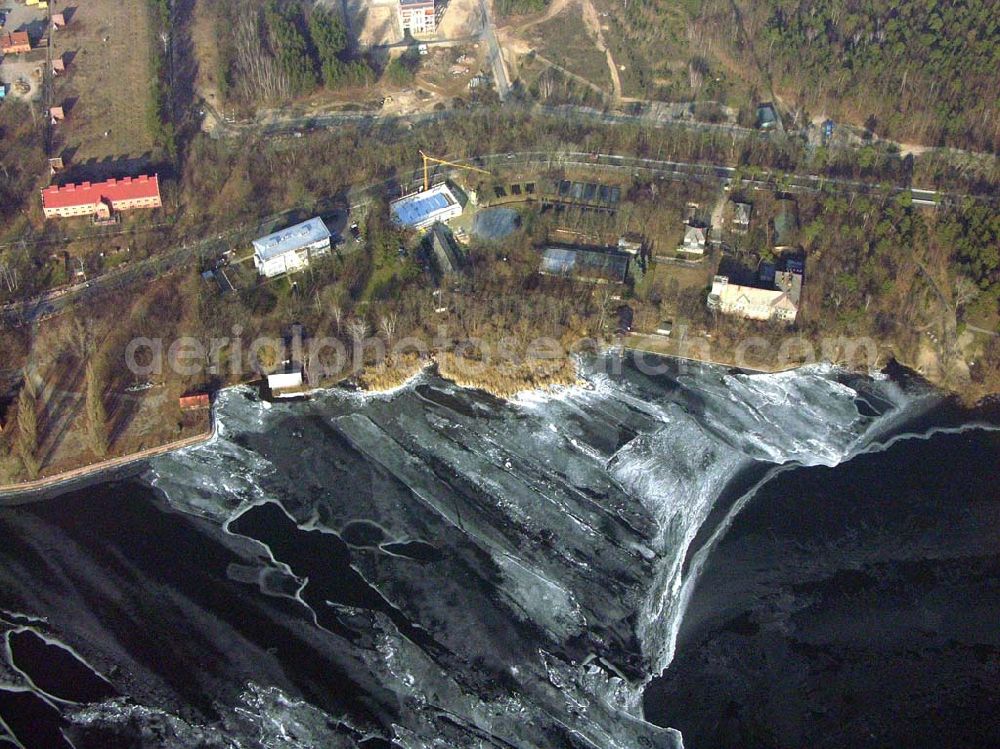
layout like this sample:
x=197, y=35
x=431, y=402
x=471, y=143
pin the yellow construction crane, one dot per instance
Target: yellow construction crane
x=430, y=159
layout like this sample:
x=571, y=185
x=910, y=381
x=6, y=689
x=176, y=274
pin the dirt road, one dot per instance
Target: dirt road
x=593, y=23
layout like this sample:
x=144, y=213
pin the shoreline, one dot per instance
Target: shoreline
x=389, y=386
x=34, y=486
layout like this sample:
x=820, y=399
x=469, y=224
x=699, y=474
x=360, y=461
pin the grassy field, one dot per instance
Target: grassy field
x=653, y=43
x=106, y=88
x=566, y=41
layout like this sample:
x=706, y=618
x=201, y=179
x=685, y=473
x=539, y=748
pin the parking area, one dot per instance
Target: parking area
x=20, y=17
x=22, y=73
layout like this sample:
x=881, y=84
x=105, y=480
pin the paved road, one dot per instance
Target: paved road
x=762, y=179
x=48, y=305
x=51, y=304
x=658, y=117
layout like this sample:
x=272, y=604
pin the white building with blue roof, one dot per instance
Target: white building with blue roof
x=291, y=249
x=423, y=209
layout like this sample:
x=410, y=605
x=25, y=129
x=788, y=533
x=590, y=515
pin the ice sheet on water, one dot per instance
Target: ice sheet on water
x=263, y=717
x=571, y=510
x=543, y=601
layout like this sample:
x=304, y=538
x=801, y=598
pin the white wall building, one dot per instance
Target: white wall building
x=291, y=249
x=417, y=16
x=757, y=304
x=279, y=381
x=423, y=209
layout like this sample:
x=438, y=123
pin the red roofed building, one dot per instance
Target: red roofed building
x=15, y=42
x=102, y=198
x=193, y=402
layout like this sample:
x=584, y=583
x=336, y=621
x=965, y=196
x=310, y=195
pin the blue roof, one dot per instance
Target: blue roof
x=418, y=209
x=292, y=238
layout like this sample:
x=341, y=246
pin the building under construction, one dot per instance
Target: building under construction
x=425, y=208
x=434, y=203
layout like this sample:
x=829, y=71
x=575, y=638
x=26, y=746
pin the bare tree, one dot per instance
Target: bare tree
x=546, y=84
x=604, y=305
x=965, y=291
x=97, y=415
x=696, y=75
x=259, y=74
x=78, y=335
x=27, y=427
x=388, y=324
x=357, y=329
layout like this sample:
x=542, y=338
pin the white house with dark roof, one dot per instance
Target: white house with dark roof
x=694, y=240
x=291, y=249
x=741, y=216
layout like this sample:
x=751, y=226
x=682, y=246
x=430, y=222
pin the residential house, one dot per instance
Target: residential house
x=694, y=240
x=767, y=117
x=15, y=43
x=751, y=302
x=630, y=243
x=741, y=217
x=779, y=302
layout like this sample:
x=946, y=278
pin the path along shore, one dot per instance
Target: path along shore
x=17, y=491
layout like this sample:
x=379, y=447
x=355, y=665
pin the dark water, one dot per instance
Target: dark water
x=144, y=592
x=850, y=606
x=443, y=569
